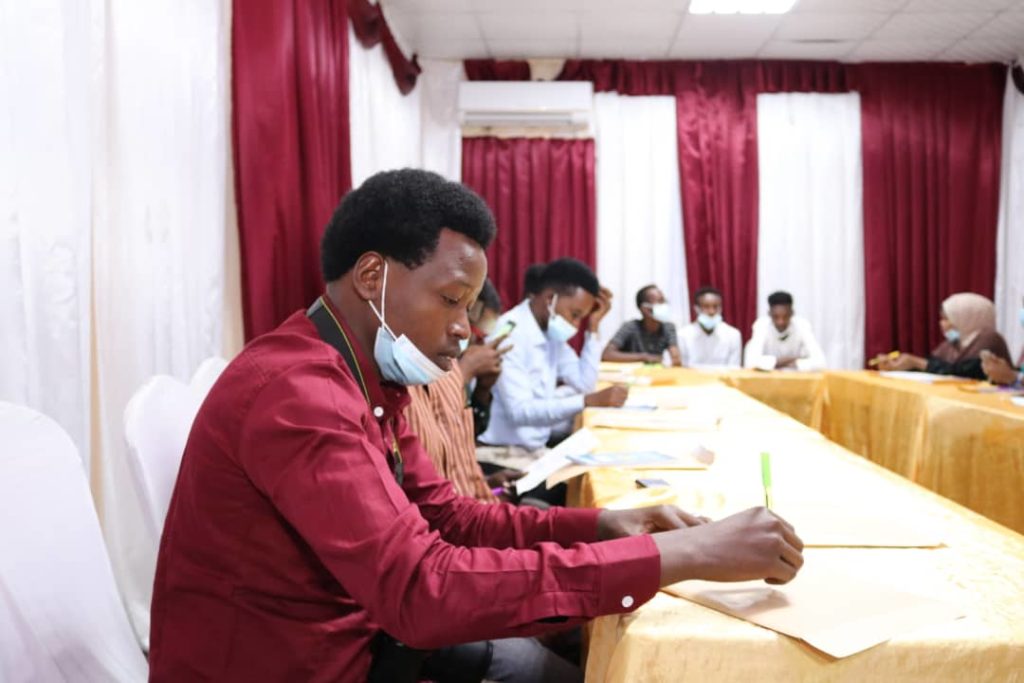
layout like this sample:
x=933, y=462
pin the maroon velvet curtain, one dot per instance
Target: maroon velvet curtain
x=496, y=70
x=931, y=147
x=717, y=136
x=291, y=148
x=542, y=195
x=931, y=136
x=371, y=29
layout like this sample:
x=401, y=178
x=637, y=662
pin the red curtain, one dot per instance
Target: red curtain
x=542, y=195
x=496, y=70
x=931, y=147
x=931, y=136
x=371, y=29
x=291, y=147
x=717, y=136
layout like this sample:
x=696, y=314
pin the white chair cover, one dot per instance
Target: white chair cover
x=61, y=618
x=157, y=421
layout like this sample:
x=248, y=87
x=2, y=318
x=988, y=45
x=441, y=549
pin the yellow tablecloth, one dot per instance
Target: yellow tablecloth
x=966, y=447
x=794, y=393
x=981, y=567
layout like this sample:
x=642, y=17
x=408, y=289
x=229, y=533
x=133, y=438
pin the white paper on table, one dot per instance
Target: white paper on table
x=921, y=377
x=654, y=420
x=838, y=613
x=1017, y=401
x=582, y=442
x=640, y=403
x=699, y=458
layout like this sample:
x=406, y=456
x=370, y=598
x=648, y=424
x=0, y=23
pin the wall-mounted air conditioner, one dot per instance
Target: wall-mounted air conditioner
x=525, y=104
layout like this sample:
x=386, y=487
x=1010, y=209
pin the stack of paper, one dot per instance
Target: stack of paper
x=659, y=420
x=838, y=613
x=922, y=377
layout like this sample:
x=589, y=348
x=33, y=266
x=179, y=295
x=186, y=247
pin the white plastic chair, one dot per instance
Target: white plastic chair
x=61, y=618
x=157, y=422
x=206, y=374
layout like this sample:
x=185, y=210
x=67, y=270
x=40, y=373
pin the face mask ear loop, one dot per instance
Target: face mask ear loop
x=383, y=298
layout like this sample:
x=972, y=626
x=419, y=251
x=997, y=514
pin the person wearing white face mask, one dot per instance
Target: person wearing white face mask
x=527, y=403
x=968, y=322
x=999, y=371
x=782, y=340
x=709, y=341
x=648, y=338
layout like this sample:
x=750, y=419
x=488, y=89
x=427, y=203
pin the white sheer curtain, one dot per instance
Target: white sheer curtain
x=1010, y=242
x=439, y=102
x=46, y=67
x=639, y=213
x=161, y=192
x=811, y=236
x=384, y=124
x=390, y=130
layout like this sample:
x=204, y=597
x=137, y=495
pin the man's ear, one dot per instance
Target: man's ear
x=368, y=277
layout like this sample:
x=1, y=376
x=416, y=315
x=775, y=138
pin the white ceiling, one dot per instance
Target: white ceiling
x=846, y=30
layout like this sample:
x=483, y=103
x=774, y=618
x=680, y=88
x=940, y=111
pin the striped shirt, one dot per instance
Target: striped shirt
x=439, y=417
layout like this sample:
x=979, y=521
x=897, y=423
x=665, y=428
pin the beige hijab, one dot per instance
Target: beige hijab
x=971, y=314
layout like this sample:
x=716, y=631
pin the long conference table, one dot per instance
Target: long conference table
x=979, y=564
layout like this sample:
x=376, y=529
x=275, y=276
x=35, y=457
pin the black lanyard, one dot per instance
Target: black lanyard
x=331, y=331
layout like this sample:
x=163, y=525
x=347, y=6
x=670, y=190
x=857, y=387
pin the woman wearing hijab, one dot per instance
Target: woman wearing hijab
x=968, y=322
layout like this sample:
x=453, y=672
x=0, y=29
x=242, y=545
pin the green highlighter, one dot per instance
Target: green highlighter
x=766, y=478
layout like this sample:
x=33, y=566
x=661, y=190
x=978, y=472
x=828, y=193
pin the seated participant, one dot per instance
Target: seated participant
x=480, y=361
x=531, y=279
x=968, y=323
x=709, y=341
x=648, y=338
x=782, y=340
x=998, y=371
x=439, y=416
x=309, y=534
x=526, y=405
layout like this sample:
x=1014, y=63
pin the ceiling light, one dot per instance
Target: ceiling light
x=741, y=6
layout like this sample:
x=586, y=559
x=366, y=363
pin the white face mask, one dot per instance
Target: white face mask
x=399, y=360
x=709, y=322
x=661, y=312
x=559, y=329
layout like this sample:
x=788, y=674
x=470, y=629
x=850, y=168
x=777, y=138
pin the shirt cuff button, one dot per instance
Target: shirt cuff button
x=378, y=412
x=627, y=601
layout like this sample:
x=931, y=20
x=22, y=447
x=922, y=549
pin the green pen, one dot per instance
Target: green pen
x=766, y=478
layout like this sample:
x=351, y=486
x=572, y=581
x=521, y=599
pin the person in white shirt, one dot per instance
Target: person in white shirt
x=709, y=341
x=528, y=403
x=783, y=341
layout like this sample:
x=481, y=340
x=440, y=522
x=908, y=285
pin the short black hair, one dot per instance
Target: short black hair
x=531, y=278
x=490, y=297
x=567, y=273
x=642, y=294
x=706, y=290
x=780, y=298
x=400, y=214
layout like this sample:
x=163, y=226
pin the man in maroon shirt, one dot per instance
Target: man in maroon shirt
x=307, y=520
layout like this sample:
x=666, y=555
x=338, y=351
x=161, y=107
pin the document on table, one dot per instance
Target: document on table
x=922, y=377
x=838, y=613
x=651, y=420
x=582, y=442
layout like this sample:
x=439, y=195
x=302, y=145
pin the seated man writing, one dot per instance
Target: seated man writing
x=309, y=532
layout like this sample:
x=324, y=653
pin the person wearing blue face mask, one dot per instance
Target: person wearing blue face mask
x=648, y=338
x=709, y=341
x=999, y=371
x=528, y=401
x=968, y=322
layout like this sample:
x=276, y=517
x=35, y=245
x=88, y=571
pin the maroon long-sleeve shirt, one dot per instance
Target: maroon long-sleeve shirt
x=289, y=544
